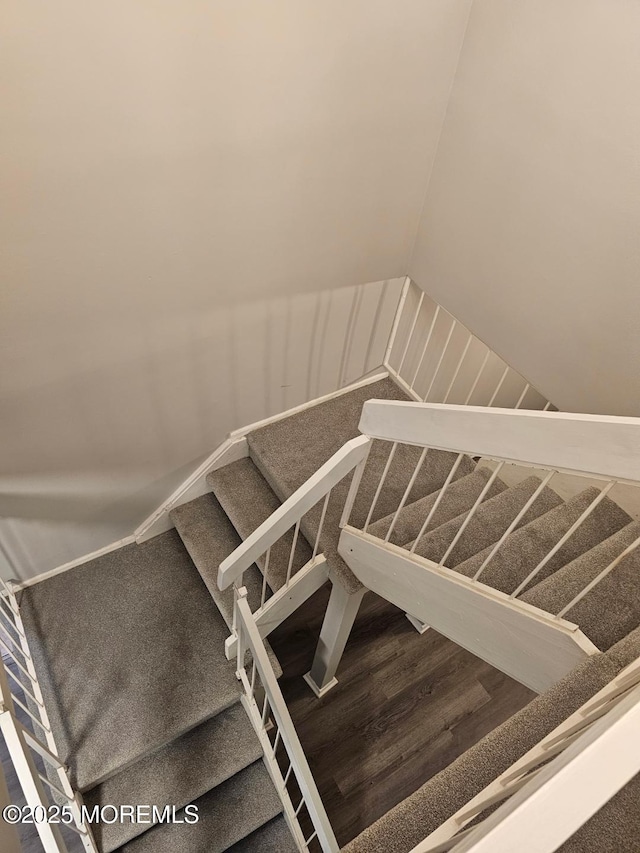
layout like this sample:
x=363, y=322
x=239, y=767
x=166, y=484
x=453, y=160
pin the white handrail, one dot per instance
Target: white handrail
x=291, y=511
x=249, y=638
x=596, y=445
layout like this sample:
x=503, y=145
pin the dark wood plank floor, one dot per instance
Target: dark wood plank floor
x=406, y=705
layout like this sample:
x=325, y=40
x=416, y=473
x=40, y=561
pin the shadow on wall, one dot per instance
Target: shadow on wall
x=117, y=418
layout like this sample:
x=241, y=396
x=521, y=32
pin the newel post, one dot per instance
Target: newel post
x=338, y=621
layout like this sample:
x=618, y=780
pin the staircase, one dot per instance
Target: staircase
x=144, y=705
x=132, y=650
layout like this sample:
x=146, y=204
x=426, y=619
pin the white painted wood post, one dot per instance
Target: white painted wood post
x=338, y=621
x=420, y=626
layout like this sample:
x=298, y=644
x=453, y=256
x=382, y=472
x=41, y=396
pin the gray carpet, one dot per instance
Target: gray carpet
x=248, y=500
x=209, y=537
x=228, y=813
x=490, y=521
x=416, y=817
x=526, y=547
x=457, y=500
x=612, y=608
x=178, y=773
x=288, y=452
x=273, y=837
x=129, y=649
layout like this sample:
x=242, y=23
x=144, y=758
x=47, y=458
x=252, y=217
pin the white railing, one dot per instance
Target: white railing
x=280, y=550
x=42, y=775
x=436, y=359
x=283, y=753
x=579, y=450
x=557, y=445
x=549, y=793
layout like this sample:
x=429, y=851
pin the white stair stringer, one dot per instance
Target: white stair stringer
x=526, y=643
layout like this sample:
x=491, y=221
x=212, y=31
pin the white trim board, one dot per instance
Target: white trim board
x=86, y=558
x=193, y=487
x=402, y=385
x=233, y=448
x=522, y=641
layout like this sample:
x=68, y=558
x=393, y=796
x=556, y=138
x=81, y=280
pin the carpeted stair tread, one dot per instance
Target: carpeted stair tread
x=432, y=474
x=178, y=773
x=611, y=610
x=209, y=537
x=273, y=837
x=248, y=500
x=458, y=499
x=526, y=547
x=129, y=651
x=288, y=452
x=408, y=823
x=227, y=814
x=626, y=650
x=489, y=523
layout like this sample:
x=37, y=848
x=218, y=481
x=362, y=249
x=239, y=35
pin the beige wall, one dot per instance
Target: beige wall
x=93, y=451
x=531, y=227
x=177, y=179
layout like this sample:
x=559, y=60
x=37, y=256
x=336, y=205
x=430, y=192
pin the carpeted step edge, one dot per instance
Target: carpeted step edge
x=227, y=814
x=611, y=609
x=209, y=537
x=489, y=523
x=273, y=837
x=181, y=772
x=458, y=499
x=526, y=547
x=248, y=500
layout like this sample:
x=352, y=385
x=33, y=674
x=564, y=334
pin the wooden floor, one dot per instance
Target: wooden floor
x=406, y=706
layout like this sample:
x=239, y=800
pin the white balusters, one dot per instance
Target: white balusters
x=516, y=521
x=321, y=525
x=392, y=453
x=407, y=492
x=601, y=495
x=296, y=532
x=407, y=336
x=265, y=574
x=437, y=501
x=477, y=377
x=599, y=577
x=21, y=742
x=440, y=360
x=425, y=347
x=456, y=372
x=410, y=335
x=499, y=386
x=471, y=513
x=285, y=738
x=525, y=391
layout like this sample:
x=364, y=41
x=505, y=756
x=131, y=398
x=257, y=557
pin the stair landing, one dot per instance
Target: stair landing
x=129, y=650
